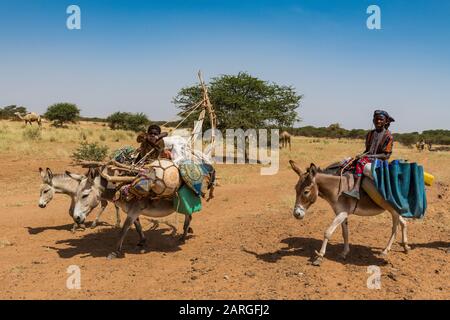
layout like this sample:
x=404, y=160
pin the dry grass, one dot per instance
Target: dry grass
x=58, y=143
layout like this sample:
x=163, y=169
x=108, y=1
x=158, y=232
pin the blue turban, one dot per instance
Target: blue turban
x=384, y=114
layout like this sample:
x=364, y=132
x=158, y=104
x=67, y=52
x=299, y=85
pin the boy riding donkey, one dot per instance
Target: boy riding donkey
x=379, y=143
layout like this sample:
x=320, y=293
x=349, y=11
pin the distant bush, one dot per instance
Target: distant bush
x=61, y=113
x=90, y=152
x=93, y=119
x=128, y=121
x=408, y=139
x=102, y=137
x=9, y=112
x=32, y=133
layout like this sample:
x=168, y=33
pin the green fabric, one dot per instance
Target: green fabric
x=186, y=202
x=402, y=185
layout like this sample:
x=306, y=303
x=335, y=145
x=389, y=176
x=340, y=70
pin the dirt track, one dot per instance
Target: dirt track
x=246, y=245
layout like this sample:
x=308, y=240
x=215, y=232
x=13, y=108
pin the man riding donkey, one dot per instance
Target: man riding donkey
x=193, y=165
x=379, y=144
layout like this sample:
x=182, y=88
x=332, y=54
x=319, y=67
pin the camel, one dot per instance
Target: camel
x=64, y=184
x=314, y=183
x=420, y=145
x=93, y=188
x=285, y=138
x=30, y=118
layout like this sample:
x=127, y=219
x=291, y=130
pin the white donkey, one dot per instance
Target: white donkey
x=93, y=188
x=64, y=184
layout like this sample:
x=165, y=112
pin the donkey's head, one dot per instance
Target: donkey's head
x=306, y=189
x=88, y=194
x=47, y=190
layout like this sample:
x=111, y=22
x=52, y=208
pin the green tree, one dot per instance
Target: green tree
x=128, y=121
x=63, y=112
x=243, y=101
x=8, y=112
x=117, y=120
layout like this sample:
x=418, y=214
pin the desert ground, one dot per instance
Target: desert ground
x=246, y=242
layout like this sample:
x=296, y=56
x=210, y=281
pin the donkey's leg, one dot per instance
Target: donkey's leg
x=104, y=204
x=126, y=226
x=395, y=219
x=344, y=226
x=404, y=227
x=138, y=227
x=336, y=222
x=117, y=216
x=186, y=227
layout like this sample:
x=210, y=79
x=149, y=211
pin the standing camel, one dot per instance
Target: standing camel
x=285, y=138
x=29, y=118
x=314, y=183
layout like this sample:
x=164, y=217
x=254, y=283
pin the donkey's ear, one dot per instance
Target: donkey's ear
x=295, y=167
x=42, y=173
x=313, y=170
x=49, y=174
x=91, y=174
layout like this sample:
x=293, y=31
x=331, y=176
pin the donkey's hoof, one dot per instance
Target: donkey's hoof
x=142, y=243
x=317, y=261
x=190, y=230
x=182, y=239
x=406, y=248
x=344, y=255
x=115, y=255
x=93, y=225
x=384, y=253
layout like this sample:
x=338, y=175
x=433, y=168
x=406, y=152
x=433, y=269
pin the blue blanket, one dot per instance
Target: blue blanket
x=402, y=185
x=194, y=175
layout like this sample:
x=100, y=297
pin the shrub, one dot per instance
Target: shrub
x=90, y=152
x=32, y=133
x=102, y=137
x=128, y=121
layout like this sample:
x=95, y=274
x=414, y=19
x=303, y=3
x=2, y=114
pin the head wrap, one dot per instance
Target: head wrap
x=383, y=113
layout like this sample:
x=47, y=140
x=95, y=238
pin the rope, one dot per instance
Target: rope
x=195, y=106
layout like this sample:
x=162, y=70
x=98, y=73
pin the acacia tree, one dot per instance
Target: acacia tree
x=62, y=112
x=245, y=102
x=128, y=121
x=8, y=112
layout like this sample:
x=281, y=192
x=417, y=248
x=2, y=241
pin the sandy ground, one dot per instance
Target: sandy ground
x=246, y=243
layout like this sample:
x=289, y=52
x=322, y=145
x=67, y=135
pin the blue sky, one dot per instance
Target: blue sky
x=136, y=55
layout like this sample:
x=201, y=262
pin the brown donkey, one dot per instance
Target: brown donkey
x=314, y=183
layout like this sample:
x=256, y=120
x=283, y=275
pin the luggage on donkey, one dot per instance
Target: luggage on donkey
x=159, y=179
